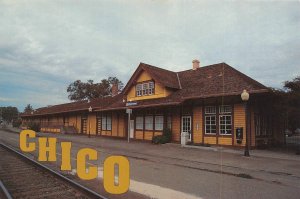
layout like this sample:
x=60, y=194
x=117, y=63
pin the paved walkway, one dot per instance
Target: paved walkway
x=287, y=155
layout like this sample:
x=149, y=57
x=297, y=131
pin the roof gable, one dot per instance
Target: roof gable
x=164, y=77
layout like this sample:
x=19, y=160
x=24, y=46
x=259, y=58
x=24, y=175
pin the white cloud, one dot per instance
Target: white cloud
x=44, y=45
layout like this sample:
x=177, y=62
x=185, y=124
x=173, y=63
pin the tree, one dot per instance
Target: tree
x=286, y=103
x=79, y=90
x=292, y=95
x=9, y=113
x=28, y=109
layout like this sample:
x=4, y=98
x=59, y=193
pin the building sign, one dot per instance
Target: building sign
x=131, y=103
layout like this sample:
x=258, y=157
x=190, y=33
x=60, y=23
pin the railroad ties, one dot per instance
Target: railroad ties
x=25, y=178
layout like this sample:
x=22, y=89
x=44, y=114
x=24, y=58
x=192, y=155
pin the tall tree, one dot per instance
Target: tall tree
x=9, y=113
x=292, y=96
x=28, y=109
x=79, y=90
x=286, y=103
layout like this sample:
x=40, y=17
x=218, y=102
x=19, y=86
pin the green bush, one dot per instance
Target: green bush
x=17, y=123
x=34, y=126
x=164, y=138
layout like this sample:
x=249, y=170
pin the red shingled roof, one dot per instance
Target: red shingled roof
x=208, y=81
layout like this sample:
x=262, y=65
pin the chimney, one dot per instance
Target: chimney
x=114, y=89
x=196, y=64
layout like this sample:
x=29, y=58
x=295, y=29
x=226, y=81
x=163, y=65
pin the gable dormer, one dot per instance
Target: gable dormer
x=150, y=82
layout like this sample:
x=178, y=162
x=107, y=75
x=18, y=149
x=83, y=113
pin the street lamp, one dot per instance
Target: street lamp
x=90, y=110
x=245, y=98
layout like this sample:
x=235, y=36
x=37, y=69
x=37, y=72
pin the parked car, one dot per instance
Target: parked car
x=297, y=131
x=288, y=133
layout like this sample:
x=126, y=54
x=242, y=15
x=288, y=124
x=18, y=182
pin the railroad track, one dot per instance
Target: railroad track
x=23, y=177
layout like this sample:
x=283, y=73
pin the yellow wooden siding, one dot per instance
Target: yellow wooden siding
x=91, y=123
x=148, y=135
x=239, y=121
x=157, y=133
x=225, y=140
x=210, y=140
x=78, y=123
x=176, y=126
x=121, y=128
x=106, y=133
x=160, y=91
x=197, y=125
x=72, y=120
x=252, y=128
x=114, y=124
x=139, y=135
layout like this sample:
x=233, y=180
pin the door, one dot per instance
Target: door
x=98, y=126
x=131, y=129
x=186, y=126
x=84, y=125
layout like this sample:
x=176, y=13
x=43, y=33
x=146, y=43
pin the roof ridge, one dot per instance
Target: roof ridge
x=211, y=65
x=158, y=67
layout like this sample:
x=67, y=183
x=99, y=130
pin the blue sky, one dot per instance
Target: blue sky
x=45, y=45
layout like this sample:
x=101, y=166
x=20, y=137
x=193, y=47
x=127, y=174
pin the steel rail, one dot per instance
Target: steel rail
x=72, y=182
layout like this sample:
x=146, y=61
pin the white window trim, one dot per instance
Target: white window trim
x=225, y=112
x=142, y=128
x=210, y=107
x=155, y=127
x=210, y=124
x=225, y=124
x=150, y=116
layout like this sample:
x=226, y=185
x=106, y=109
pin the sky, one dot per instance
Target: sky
x=46, y=45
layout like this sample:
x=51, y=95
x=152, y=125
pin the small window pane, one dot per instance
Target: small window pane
x=159, y=123
x=149, y=122
x=108, y=123
x=145, y=89
x=139, y=123
x=210, y=124
x=225, y=109
x=103, y=122
x=139, y=90
x=210, y=110
x=225, y=124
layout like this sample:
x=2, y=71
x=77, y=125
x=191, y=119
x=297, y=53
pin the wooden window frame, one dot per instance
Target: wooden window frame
x=105, y=127
x=155, y=123
x=152, y=123
x=205, y=125
x=145, y=92
x=143, y=125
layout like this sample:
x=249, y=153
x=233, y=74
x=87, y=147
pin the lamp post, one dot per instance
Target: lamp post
x=245, y=98
x=90, y=110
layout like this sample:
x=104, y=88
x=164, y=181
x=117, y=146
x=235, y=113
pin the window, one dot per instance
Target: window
x=146, y=88
x=103, y=122
x=151, y=88
x=224, y=109
x=139, y=122
x=138, y=90
x=225, y=124
x=149, y=122
x=210, y=120
x=106, y=122
x=210, y=124
x=210, y=110
x=159, y=123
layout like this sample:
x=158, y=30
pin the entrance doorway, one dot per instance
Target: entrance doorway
x=186, y=126
x=131, y=131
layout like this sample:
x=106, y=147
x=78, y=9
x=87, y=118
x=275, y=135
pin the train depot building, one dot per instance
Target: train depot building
x=203, y=103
